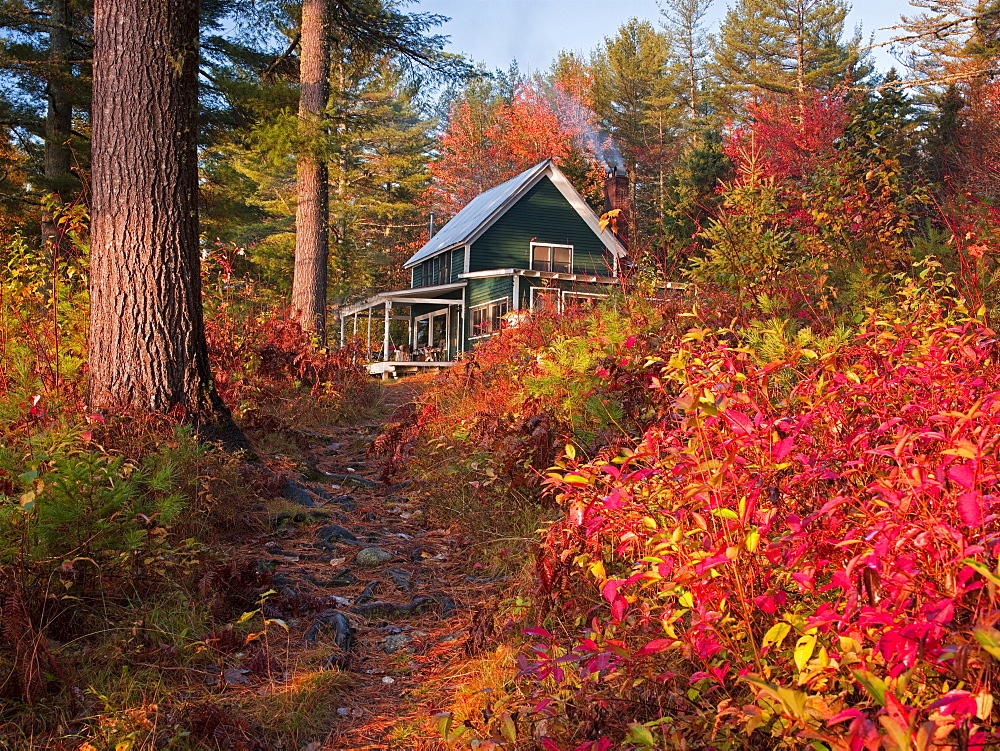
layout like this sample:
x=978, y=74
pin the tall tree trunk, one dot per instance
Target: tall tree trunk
x=147, y=346
x=59, y=117
x=312, y=245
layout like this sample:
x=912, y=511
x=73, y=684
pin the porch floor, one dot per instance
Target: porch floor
x=394, y=369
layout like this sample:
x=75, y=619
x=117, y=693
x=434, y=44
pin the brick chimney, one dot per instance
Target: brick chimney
x=616, y=196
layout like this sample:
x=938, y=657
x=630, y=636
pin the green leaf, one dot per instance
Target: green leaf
x=444, y=724
x=794, y=702
x=640, y=734
x=989, y=639
x=875, y=685
x=980, y=568
x=776, y=634
x=507, y=728
x=724, y=513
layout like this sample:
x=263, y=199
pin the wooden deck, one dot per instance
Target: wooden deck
x=392, y=369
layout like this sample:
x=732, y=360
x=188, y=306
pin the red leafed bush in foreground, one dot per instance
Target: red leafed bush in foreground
x=799, y=556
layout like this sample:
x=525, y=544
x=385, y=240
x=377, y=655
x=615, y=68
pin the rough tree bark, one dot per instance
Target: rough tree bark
x=59, y=117
x=147, y=346
x=312, y=246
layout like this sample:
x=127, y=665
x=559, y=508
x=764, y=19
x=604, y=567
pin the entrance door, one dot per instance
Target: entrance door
x=432, y=335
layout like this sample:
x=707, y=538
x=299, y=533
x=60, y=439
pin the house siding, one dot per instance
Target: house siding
x=481, y=291
x=457, y=263
x=542, y=215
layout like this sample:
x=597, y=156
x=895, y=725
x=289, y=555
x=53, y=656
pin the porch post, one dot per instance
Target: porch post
x=385, y=341
x=517, y=293
x=368, y=326
x=462, y=324
x=343, y=329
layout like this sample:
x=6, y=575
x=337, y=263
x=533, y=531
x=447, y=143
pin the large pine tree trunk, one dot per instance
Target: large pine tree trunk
x=312, y=213
x=147, y=346
x=59, y=117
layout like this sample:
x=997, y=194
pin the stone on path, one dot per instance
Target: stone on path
x=372, y=557
x=335, y=532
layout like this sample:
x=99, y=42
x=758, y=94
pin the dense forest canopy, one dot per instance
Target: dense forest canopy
x=407, y=129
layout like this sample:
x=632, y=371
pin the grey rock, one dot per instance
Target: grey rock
x=401, y=579
x=296, y=493
x=369, y=591
x=396, y=642
x=332, y=532
x=391, y=610
x=372, y=557
x=335, y=622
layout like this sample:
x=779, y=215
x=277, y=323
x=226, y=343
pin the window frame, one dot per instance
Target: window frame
x=551, y=262
x=537, y=292
x=569, y=293
x=487, y=306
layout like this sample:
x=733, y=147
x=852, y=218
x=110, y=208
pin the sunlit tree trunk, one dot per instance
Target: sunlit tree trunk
x=147, y=345
x=312, y=246
x=59, y=117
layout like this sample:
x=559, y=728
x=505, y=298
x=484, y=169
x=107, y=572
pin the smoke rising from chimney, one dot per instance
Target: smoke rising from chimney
x=580, y=120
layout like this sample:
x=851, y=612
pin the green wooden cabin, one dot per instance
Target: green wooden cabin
x=531, y=242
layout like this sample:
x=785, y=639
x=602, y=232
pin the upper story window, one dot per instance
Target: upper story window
x=436, y=270
x=557, y=258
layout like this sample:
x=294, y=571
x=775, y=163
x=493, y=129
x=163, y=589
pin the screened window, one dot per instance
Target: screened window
x=444, y=269
x=557, y=258
x=547, y=299
x=486, y=319
x=580, y=299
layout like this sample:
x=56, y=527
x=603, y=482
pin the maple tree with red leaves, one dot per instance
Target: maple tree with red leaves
x=489, y=142
x=791, y=137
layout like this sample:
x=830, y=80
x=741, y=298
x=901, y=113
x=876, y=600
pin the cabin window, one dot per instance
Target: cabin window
x=557, y=258
x=444, y=269
x=580, y=299
x=545, y=298
x=486, y=319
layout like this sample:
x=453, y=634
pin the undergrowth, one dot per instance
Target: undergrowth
x=754, y=533
x=124, y=622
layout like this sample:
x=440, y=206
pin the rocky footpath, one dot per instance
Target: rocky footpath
x=361, y=575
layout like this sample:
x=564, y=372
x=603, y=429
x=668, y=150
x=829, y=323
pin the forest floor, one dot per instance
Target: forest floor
x=408, y=588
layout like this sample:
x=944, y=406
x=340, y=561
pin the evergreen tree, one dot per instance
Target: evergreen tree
x=635, y=96
x=312, y=246
x=45, y=55
x=689, y=46
x=146, y=344
x=784, y=48
x=952, y=41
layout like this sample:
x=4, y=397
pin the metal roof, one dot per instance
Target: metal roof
x=479, y=211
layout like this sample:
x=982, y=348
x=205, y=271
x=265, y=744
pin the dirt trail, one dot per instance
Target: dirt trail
x=409, y=615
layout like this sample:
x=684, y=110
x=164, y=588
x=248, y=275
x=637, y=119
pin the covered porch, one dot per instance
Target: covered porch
x=432, y=338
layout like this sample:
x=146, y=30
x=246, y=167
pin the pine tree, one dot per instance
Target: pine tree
x=312, y=246
x=688, y=40
x=785, y=48
x=952, y=41
x=147, y=346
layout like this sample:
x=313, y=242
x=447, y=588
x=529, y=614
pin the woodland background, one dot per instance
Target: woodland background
x=762, y=514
